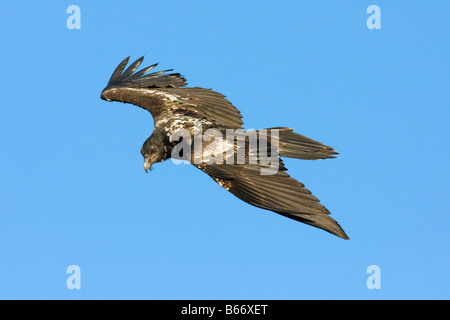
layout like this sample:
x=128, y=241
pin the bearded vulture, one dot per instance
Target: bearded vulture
x=200, y=126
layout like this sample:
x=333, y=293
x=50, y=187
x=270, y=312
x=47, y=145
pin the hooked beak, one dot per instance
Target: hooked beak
x=147, y=165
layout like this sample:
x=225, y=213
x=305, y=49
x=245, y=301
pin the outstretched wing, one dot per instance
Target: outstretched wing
x=279, y=193
x=164, y=96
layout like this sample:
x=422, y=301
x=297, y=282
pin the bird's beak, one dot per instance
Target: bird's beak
x=147, y=165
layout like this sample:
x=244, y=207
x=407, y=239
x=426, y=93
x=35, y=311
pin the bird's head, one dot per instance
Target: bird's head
x=153, y=152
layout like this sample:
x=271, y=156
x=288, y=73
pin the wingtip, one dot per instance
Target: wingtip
x=118, y=71
x=340, y=233
x=344, y=236
x=140, y=60
x=140, y=78
x=131, y=69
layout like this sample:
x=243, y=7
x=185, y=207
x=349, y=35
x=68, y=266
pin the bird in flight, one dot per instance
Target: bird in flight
x=201, y=126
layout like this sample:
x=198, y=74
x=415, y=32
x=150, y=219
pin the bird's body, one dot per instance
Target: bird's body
x=201, y=126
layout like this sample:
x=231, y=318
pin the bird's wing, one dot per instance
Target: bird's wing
x=163, y=95
x=279, y=193
x=209, y=104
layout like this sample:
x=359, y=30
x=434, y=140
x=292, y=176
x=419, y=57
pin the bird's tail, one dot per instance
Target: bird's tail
x=294, y=145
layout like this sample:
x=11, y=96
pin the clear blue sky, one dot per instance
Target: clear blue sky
x=73, y=189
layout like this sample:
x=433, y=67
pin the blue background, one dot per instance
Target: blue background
x=73, y=189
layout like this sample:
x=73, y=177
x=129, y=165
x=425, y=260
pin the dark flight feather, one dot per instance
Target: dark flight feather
x=131, y=69
x=118, y=72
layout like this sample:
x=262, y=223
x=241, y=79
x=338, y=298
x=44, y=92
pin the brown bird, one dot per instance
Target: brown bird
x=201, y=126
